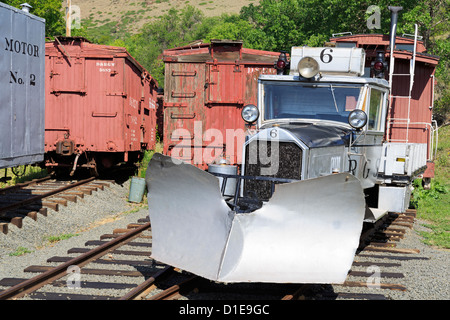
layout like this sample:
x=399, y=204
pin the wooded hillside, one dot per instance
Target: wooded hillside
x=273, y=25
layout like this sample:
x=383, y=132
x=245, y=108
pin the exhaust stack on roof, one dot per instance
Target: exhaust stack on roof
x=393, y=34
x=26, y=7
x=393, y=30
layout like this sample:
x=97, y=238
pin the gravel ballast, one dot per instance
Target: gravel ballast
x=426, y=276
x=88, y=219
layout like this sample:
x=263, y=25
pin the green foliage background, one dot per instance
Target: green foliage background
x=278, y=25
x=50, y=10
x=273, y=25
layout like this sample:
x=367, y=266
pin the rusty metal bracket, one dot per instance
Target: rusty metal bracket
x=183, y=94
x=237, y=67
x=120, y=94
x=174, y=105
x=237, y=103
x=184, y=73
x=64, y=49
x=182, y=116
x=104, y=115
x=59, y=92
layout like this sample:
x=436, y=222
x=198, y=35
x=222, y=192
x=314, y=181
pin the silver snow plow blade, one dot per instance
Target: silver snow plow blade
x=307, y=233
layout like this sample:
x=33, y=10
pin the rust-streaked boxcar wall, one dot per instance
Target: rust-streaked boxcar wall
x=419, y=111
x=206, y=87
x=409, y=120
x=100, y=103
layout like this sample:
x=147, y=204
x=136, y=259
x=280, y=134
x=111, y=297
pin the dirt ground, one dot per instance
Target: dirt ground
x=145, y=10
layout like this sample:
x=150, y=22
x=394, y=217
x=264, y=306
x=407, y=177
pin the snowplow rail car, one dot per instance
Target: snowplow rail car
x=287, y=240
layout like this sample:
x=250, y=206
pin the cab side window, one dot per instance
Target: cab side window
x=375, y=110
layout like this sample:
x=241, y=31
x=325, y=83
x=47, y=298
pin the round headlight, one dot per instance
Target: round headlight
x=308, y=67
x=250, y=113
x=357, y=119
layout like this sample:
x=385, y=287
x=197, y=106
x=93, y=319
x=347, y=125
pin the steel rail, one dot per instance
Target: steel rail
x=45, y=195
x=144, y=288
x=39, y=281
x=176, y=290
x=301, y=291
x=24, y=184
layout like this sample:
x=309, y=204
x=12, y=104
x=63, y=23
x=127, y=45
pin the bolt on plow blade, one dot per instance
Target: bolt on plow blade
x=308, y=232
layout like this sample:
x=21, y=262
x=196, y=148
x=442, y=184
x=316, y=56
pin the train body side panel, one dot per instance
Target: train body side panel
x=100, y=98
x=206, y=88
x=22, y=99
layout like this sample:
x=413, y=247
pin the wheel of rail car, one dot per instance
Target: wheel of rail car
x=426, y=183
x=19, y=171
x=93, y=171
x=5, y=178
x=96, y=168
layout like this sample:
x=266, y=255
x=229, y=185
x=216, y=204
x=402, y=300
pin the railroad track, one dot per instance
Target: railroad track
x=59, y=279
x=35, y=197
x=119, y=267
x=375, y=268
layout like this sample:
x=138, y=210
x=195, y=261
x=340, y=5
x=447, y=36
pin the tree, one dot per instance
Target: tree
x=431, y=17
x=312, y=22
x=234, y=28
x=174, y=29
x=288, y=23
x=50, y=10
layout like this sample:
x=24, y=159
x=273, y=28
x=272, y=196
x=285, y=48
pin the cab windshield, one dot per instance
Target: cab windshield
x=310, y=101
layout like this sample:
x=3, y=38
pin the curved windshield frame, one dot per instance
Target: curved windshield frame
x=324, y=101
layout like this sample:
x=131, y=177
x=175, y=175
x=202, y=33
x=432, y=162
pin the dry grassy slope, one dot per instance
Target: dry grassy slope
x=145, y=10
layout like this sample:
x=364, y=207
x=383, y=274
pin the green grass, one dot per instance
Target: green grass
x=31, y=172
x=144, y=163
x=142, y=170
x=142, y=167
x=20, y=252
x=54, y=239
x=433, y=205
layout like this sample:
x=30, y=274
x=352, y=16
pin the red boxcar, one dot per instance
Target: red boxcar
x=100, y=105
x=206, y=87
x=411, y=103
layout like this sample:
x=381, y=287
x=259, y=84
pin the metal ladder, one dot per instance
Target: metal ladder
x=407, y=121
x=412, y=67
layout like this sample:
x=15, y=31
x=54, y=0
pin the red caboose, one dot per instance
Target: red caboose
x=100, y=105
x=411, y=131
x=206, y=88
